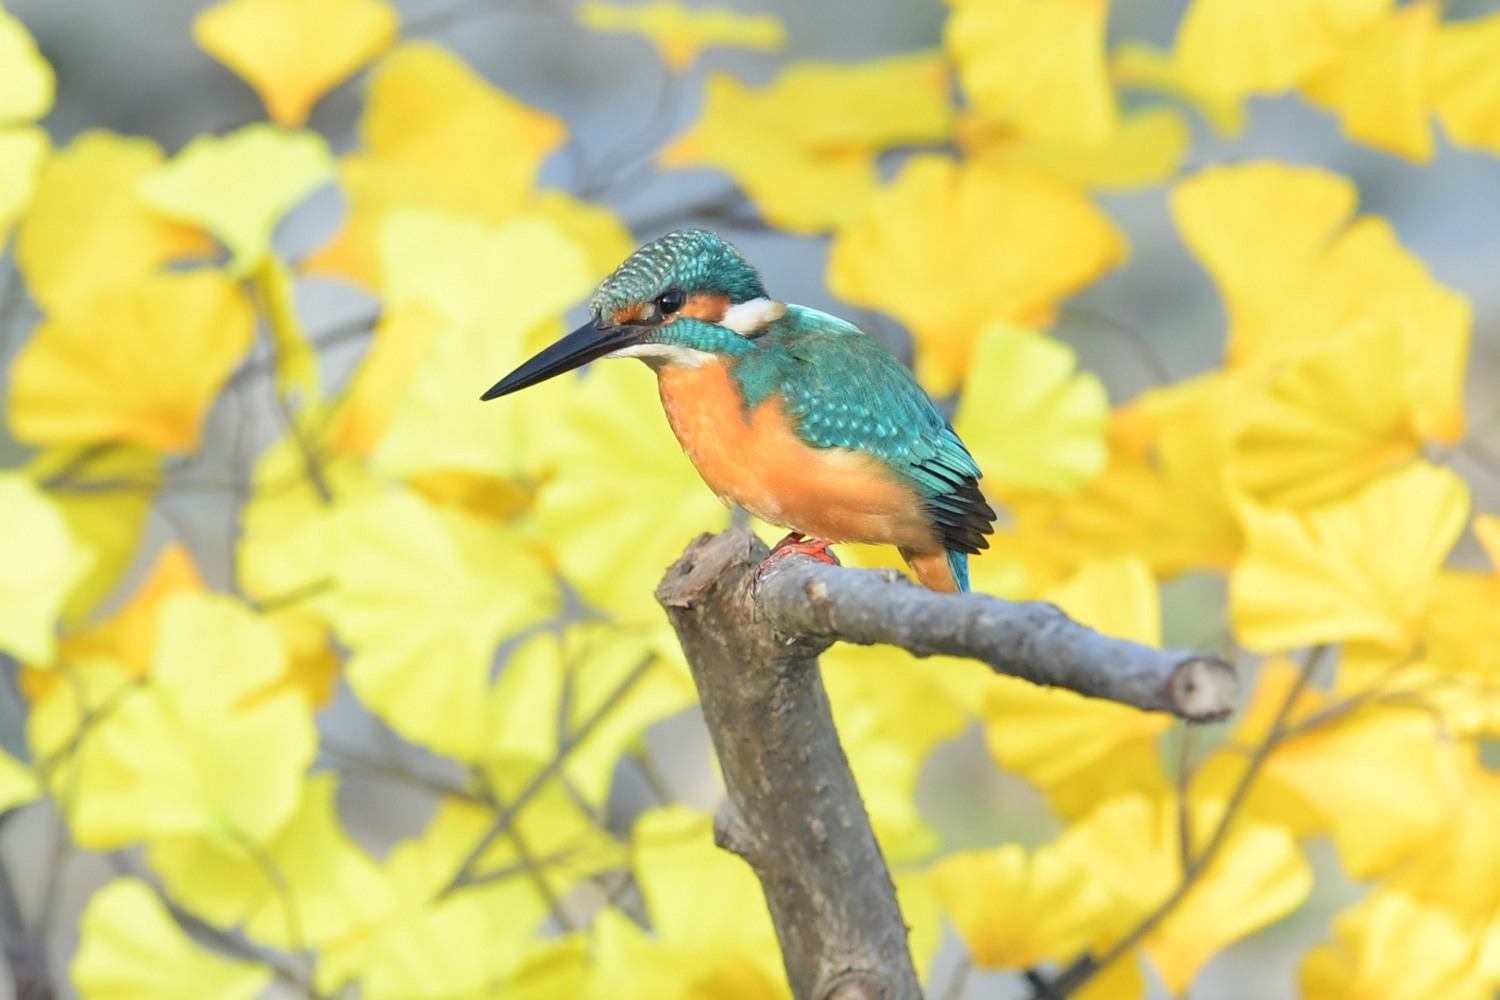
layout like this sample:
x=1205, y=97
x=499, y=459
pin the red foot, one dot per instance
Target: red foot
x=794, y=542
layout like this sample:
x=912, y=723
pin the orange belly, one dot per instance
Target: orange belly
x=757, y=461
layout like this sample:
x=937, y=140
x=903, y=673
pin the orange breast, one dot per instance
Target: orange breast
x=757, y=461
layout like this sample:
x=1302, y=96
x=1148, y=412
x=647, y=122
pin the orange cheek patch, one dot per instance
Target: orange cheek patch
x=629, y=315
x=709, y=308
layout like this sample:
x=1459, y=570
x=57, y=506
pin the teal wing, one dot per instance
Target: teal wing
x=845, y=390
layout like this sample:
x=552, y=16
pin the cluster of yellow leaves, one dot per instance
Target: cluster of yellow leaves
x=26, y=91
x=433, y=558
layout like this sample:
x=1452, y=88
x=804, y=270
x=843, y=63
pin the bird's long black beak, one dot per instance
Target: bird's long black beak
x=593, y=340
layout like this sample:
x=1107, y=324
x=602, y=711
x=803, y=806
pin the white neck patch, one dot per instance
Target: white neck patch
x=660, y=355
x=748, y=317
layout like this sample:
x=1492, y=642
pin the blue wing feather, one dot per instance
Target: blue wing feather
x=850, y=392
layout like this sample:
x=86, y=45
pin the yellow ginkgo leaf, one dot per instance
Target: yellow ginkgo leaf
x=601, y=233
x=313, y=663
x=1330, y=421
x=105, y=494
x=88, y=230
x=440, y=943
x=676, y=864
x=195, y=751
x=1130, y=846
x=609, y=439
x=293, y=51
x=628, y=963
x=309, y=885
x=128, y=637
x=1295, y=272
x=1146, y=148
x=1016, y=911
x=27, y=87
x=1162, y=496
x=1031, y=421
x=1118, y=597
x=402, y=338
x=507, y=278
x=550, y=690
x=1036, y=66
x=27, y=83
x=423, y=597
x=423, y=104
x=1462, y=629
x=1080, y=750
x=1379, y=83
x=926, y=926
x=557, y=968
x=1137, y=66
x=139, y=365
x=1459, y=869
x=1392, y=947
x=132, y=949
x=1381, y=779
x=1465, y=85
x=494, y=288
x=22, y=152
x=923, y=250
x=239, y=186
x=1232, y=49
x=18, y=783
x=1360, y=568
x=40, y=562
x=803, y=148
x=290, y=538
x=681, y=33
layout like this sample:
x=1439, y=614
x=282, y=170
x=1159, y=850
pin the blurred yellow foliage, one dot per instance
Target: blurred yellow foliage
x=924, y=251
x=682, y=33
x=804, y=147
x=474, y=585
x=293, y=51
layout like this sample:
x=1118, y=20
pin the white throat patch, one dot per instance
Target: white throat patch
x=659, y=355
x=748, y=317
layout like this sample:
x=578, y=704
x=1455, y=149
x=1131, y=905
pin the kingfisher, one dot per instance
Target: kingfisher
x=795, y=415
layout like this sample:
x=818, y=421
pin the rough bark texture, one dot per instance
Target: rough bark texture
x=794, y=812
x=800, y=596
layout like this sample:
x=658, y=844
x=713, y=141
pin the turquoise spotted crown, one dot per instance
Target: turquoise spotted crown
x=692, y=260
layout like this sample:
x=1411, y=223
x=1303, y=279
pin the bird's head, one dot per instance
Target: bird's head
x=687, y=294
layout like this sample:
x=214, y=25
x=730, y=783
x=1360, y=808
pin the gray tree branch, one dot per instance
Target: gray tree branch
x=794, y=812
x=1033, y=640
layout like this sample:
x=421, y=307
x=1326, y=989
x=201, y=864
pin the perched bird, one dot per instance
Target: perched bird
x=795, y=415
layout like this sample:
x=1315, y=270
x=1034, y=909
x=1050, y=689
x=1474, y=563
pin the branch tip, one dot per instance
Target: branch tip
x=1203, y=689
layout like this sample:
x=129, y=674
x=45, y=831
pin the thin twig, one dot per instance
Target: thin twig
x=1184, y=813
x=1085, y=968
x=535, y=870
x=466, y=870
x=228, y=944
x=280, y=887
x=1144, y=350
x=351, y=761
x=962, y=970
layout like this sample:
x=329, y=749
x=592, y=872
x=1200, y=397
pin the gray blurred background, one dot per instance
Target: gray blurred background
x=131, y=66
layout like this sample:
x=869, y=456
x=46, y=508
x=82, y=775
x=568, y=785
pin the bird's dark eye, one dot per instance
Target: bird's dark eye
x=670, y=301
